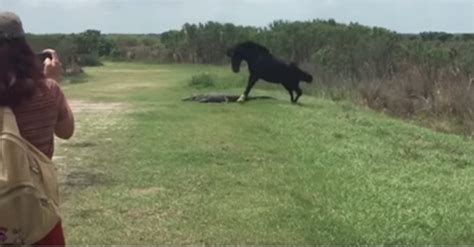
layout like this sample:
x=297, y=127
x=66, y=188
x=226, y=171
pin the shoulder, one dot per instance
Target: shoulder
x=51, y=85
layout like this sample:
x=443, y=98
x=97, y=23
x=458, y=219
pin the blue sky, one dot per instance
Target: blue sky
x=155, y=16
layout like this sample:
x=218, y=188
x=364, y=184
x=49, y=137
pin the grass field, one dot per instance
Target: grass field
x=146, y=168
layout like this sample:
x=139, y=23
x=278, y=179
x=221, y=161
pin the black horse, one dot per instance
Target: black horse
x=263, y=65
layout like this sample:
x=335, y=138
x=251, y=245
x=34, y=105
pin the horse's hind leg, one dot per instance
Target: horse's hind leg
x=290, y=91
x=299, y=92
x=252, y=80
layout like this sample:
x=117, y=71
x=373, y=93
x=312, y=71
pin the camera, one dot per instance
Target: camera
x=43, y=55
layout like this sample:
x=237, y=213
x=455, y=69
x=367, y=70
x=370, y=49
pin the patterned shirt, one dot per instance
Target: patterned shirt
x=38, y=116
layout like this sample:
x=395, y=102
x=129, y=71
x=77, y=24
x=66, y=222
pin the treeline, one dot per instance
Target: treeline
x=346, y=50
x=326, y=43
x=408, y=75
x=75, y=50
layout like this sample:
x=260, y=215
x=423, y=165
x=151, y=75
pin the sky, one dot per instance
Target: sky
x=156, y=16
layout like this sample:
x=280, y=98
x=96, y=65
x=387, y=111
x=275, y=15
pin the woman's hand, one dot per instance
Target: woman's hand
x=52, y=67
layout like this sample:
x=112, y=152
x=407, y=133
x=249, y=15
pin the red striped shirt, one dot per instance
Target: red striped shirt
x=38, y=116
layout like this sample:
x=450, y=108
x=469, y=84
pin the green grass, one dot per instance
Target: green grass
x=158, y=170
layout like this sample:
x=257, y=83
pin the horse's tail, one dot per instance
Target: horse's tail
x=303, y=76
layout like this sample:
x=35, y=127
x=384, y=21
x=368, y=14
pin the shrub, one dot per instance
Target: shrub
x=203, y=80
x=89, y=60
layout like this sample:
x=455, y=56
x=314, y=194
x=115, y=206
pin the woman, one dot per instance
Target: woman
x=30, y=89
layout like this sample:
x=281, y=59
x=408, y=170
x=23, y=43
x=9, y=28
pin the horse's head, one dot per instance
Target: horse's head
x=236, y=62
x=302, y=75
x=247, y=51
x=236, y=58
x=230, y=52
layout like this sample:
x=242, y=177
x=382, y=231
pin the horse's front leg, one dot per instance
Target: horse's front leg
x=252, y=80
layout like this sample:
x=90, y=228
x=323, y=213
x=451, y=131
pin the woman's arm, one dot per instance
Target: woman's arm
x=65, y=124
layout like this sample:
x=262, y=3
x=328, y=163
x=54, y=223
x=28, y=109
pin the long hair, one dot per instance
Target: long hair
x=20, y=71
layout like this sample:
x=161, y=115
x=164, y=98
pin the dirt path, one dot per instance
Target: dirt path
x=81, y=106
x=93, y=119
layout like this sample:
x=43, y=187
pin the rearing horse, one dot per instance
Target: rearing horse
x=263, y=65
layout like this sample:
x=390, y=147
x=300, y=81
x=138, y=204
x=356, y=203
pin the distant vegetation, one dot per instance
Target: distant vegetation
x=427, y=75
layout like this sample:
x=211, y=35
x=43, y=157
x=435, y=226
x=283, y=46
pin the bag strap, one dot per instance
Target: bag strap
x=2, y=119
x=8, y=123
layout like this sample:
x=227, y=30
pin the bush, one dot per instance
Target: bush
x=89, y=60
x=203, y=80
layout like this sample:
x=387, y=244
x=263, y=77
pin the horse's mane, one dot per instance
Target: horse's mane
x=250, y=45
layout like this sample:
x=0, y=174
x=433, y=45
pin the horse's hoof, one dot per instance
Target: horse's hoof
x=241, y=99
